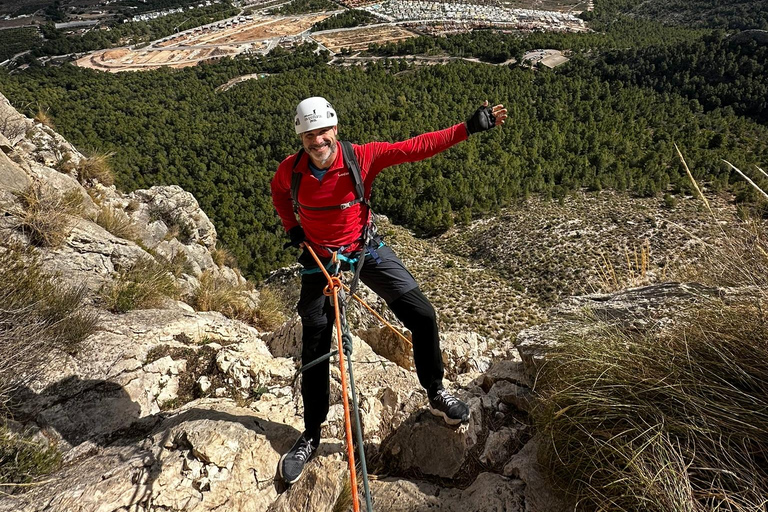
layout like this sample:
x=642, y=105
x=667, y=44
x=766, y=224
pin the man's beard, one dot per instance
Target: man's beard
x=331, y=152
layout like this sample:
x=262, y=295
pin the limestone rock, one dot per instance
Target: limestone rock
x=12, y=177
x=285, y=341
x=489, y=492
x=539, y=493
x=91, y=255
x=64, y=184
x=501, y=445
x=13, y=125
x=319, y=487
x=512, y=394
x=5, y=145
x=389, y=345
x=413, y=447
x=178, y=210
x=208, y=456
x=464, y=353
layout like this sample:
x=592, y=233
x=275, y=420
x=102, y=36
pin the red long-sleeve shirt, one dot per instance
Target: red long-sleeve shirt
x=337, y=228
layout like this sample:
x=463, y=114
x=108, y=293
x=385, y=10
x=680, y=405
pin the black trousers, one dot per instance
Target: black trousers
x=390, y=280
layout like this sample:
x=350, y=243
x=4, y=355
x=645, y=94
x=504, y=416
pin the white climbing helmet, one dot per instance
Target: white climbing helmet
x=314, y=113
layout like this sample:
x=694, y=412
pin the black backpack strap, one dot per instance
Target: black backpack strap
x=354, y=170
x=296, y=180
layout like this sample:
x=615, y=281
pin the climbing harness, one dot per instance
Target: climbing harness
x=335, y=289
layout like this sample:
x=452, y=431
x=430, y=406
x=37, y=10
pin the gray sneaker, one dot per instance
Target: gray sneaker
x=453, y=410
x=292, y=463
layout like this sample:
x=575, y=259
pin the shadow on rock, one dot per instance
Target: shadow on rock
x=78, y=410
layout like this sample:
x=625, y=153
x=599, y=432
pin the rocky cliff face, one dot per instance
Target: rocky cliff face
x=176, y=409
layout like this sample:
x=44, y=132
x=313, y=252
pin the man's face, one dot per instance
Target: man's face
x=320, y=145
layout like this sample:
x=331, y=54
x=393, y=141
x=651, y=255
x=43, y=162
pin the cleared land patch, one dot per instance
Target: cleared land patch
x=225, y=38
x=359, y=39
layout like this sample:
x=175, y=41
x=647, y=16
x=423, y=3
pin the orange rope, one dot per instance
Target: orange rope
x=378, y=316
x=332, y=290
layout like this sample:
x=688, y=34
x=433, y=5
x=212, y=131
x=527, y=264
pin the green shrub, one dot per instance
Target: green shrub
x=22, y=459
x=146, y=284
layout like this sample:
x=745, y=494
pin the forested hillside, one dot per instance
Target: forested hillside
x=564, y=133
x=731, y=14
x=717, y=70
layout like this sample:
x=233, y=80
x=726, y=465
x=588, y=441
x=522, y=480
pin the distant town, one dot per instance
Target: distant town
x=255, y=30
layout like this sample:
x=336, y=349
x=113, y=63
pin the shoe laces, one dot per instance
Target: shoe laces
x=447, y=398
x=304, y=451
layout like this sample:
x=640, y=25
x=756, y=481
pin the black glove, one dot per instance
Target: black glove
x=482, y=120
x=297, y=237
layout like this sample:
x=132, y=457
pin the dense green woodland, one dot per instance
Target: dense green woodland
x=564, y=133
x=306, y=6
x=346, y=19
x=727, y=14
x=493, y=46
x=717, y=70
x=17, y=40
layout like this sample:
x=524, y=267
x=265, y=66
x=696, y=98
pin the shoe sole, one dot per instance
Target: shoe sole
x=280, y=470
x=450, y=421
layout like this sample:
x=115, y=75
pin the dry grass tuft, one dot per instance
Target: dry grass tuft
x=217, y=294
x=642, y=422
x=738, y=257
x=270, y=312
x=635, y=274
x=96, y=168
x=45, y=215
x=43, y=117
x=344, y=500
x=223, y=257
x=37, y=316
x=147, y=284
x=117, y=222
x=24, y=459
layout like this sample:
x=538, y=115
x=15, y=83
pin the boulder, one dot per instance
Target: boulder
x=489, y=492
x=91, y=255
x=539, y=492
x=640, y=308
x=178, y=210
x=13, y=125
x=12, y=177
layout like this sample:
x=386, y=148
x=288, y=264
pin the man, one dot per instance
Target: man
x=333, y=217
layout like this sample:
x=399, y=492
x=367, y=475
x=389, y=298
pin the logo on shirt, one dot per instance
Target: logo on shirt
x=344, y=174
